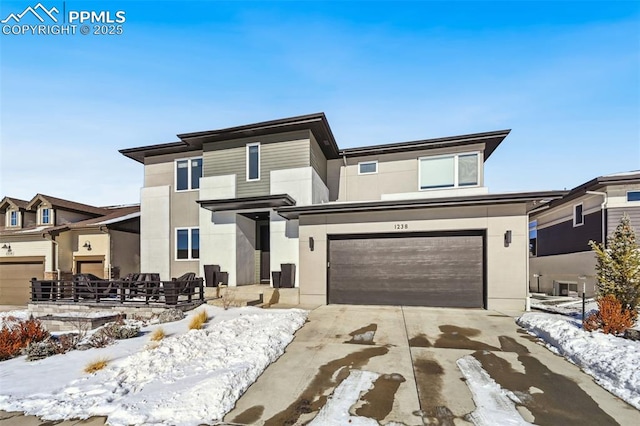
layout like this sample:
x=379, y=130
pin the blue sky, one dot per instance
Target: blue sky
x=564, y=76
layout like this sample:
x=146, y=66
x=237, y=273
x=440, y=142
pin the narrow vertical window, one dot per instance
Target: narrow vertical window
x=45, y=216
x=13, y=218
x=195, y=244
x=468, y=169
x=196, y=172
x=578, y=215
x=182, y=175
x=253, y=161
x=182, y=251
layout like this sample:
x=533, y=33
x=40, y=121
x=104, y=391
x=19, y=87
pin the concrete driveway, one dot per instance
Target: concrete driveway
x=416, y=350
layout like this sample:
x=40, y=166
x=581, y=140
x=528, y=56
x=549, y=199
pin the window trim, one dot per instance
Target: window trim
x=456, y=178
x=632, y=201
x=249, y=145
x=189, y=230
x=189, y=183
x=42, y=210
x=575, y=222
x=368, y=162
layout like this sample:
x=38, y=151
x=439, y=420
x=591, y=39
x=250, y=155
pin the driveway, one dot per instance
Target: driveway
x=415, y=350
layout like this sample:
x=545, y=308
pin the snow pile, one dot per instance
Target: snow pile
x=10, y=318
x=612, y=361
x=191, y=377
x=494, y=405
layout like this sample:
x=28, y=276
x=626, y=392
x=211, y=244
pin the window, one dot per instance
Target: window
x=633, y=196
x=13, y=218
x=253, y=161
x=46, y=216
x=367, y=168
x=578, y=216
x=449, y=171
x=187, y=243
x=188, y=174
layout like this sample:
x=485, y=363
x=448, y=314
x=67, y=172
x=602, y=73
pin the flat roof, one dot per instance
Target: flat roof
x=248, y=203
x=371, y=206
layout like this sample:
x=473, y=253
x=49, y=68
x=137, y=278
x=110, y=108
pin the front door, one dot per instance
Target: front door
x=265, y=259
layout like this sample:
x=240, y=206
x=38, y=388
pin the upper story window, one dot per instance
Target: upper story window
x=367, y=167
x=253, y=161
x=578, y=215
x=45, y=216
x=187, y=243
x=633, y=196
x=449, y=171
x=188, y=173
x=13, y=218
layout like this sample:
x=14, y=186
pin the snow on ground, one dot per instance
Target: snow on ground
x=564, y=305
x=494, y=405
x=612, y=361
x=191, y=377
x=10, y=318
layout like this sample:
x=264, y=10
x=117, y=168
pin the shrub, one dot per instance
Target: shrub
x=158, y=334
x=43, y=349
x=119, y=330
x=198, y=320
x=13, y=339
x=611, y=317
x=618, y=265
x=96, y=365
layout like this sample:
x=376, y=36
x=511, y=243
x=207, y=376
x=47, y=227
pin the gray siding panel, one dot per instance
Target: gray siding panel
x=318, y=160
x=614, y=216
x=564, y=238
x=438, y=270
x=277, y=152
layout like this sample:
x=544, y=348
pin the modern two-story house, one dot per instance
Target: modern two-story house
x=406, y=223
x=53, y=238
x=562, y=261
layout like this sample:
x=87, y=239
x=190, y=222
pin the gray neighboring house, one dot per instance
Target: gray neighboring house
x=406, y=223
x=561, y=260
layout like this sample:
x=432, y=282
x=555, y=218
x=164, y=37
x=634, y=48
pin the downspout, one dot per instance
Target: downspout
x=602, y=208
x=57, y=253
x=346, y=182
x=105, y=230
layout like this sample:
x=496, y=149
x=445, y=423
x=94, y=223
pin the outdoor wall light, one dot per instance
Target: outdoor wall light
x=311, y=243
x=87, y=245
x=507, y=238
x=7, y=247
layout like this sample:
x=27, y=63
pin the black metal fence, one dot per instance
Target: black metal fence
x=174, y=292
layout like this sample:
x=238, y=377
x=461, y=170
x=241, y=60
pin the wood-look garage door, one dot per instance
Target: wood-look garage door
x=414, y=270
x=95, y=267
x=15, y=281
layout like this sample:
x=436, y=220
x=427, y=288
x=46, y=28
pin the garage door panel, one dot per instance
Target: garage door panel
x=413, y=270
x=15, y=281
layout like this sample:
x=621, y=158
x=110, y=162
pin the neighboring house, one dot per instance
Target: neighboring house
x=407, y=223
x=561, y=259
x=52, y=238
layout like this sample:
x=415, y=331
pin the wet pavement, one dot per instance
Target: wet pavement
x=415, y=352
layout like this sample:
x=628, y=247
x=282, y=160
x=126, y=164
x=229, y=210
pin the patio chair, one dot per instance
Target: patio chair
x=89, y=286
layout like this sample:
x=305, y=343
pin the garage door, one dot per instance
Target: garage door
x=15, y=281
x=94, y=267
x=412, y=269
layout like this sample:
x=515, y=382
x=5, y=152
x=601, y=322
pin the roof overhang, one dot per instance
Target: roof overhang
x=491, y=140
x=248, y=203
x=138, y=154
x=532, y=199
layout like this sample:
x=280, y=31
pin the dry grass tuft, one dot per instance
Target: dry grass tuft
x=198, y=320
x=96, y=365
x=158, y=334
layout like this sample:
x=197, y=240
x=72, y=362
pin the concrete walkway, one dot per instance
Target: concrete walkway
x=416, y=350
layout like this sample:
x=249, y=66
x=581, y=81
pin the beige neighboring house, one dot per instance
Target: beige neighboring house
x=562, y=261
x=408, y=223
x=52, y=238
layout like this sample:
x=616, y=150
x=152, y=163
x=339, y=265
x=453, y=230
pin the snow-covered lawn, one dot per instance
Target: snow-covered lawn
x=612, y=361
x=189, y=378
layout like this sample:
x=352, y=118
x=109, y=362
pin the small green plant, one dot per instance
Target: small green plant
x=96, y=365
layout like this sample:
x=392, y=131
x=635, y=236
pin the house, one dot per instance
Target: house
x=53, y=238
x=405, y=223
x=561, y=260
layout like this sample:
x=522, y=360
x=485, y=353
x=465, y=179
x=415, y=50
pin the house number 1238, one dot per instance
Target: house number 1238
x=400, y=226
